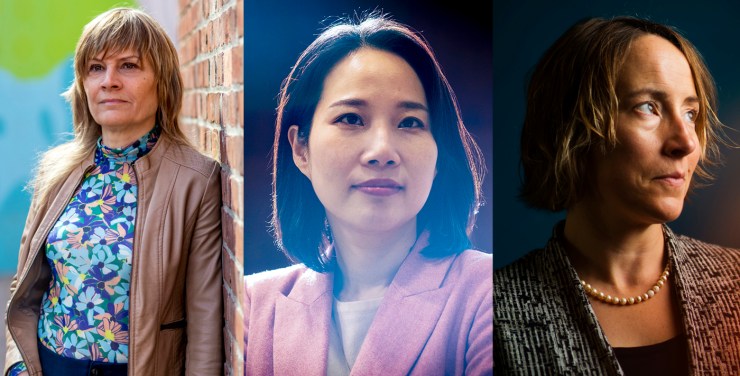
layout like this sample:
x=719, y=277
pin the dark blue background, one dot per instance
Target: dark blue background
x=523, y=30
x=276, y=31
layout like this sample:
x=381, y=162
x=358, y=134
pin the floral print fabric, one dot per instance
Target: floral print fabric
x=84, y=314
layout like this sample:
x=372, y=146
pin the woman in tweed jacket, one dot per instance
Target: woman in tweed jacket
x=620, y=118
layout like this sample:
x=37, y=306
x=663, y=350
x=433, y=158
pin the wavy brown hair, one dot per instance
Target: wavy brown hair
x=572, y=106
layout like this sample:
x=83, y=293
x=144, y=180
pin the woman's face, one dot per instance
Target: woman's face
x=646, y=177
x=370, y=154
x=122, y=92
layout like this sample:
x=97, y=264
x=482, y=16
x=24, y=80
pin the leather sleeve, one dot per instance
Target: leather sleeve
x=12, y=354
x=203, y=285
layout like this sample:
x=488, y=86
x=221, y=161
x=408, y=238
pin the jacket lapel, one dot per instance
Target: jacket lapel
x=693, y=322
x=407, y=316
x=302, y=323
x=580, y=323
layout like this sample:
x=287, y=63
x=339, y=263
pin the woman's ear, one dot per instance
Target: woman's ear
x=300, y=151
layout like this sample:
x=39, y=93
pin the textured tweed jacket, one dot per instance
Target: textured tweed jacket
x=544, y=324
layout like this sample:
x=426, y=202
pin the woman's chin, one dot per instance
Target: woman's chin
x=666, y=212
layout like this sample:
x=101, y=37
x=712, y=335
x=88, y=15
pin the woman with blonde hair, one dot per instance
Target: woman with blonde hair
x=119, y=267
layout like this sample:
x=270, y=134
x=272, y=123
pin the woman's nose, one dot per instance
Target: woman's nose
x=682, y=139
x=110, y=79
x=381, y=150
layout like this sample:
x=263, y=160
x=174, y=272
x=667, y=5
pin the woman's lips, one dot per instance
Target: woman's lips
x=112, y=101
x=379, y=187
x=673, y=180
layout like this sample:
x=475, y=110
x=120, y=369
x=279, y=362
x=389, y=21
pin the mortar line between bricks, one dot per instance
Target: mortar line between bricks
x=234, y=88
x=189, y=120
x=233, y=297
x=239, y=267
x=205, y=55
x=233, y=215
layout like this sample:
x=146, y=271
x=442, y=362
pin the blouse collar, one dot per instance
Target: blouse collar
x=127, y=154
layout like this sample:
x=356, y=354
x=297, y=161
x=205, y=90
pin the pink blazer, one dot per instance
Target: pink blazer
x=436, y=319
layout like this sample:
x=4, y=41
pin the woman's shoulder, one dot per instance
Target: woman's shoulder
x=278, y=280
x=474, y=261
x=528, y=267
x=187, y=156
x=703, y=250
x=706, y=261
x=468, y=270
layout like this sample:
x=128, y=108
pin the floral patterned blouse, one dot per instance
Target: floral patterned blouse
x=84, y=314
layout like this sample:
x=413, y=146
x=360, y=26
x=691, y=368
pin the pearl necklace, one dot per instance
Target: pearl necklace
x=615, y=300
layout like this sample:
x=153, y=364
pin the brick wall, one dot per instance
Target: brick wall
x=211, y=44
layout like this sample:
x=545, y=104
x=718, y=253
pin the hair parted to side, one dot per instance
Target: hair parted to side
x=299, y=222
x=111, y=32
x=572, y=108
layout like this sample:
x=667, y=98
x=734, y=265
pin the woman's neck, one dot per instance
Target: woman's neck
x=367, y=262
x=607, y=250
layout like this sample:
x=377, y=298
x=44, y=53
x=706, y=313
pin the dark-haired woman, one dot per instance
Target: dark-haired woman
x=376, y=186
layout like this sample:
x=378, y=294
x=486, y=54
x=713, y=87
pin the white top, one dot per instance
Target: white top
x=351, y=323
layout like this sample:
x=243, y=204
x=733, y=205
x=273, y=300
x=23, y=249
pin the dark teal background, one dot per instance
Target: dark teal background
x=275, y=33
x=522, y=31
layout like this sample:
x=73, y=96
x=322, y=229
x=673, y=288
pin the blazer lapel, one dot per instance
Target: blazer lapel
x=407, y=316
x=693, y=323
x=581, y=324
x=301, y=332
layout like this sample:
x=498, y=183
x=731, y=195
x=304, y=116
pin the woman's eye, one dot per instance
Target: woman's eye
x=647, y=108
x=411, y=122
x=129, y=65
x=351, y=119
x=691, y=115
x=96, y=68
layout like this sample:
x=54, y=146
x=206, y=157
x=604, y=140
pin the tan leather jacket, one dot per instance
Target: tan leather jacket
x=176, y=308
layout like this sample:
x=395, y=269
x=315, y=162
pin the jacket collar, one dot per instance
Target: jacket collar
x=405, y=319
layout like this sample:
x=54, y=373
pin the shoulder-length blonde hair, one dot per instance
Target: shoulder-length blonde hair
x=572, y=106
x=111, y=32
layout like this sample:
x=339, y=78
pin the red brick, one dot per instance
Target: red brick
x=222, y=30
x=226, y=58
x=237, y=64
x=228, y=268
x=234, y=146
x=240, y=17
x=214, y=144
x=226, y=198
x=228, y=343
x=222, y=109
x=237, y=194
x=238, y=245
x=240, y=113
